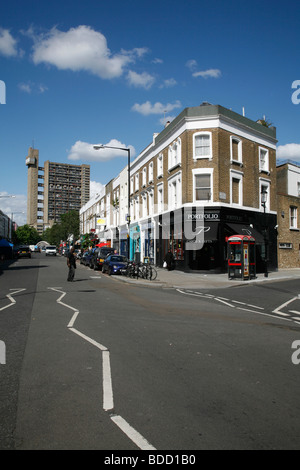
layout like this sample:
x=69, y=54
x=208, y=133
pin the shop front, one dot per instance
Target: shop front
x=123, y=240
x=135, y=248
x=197, y=238
x=147, y=241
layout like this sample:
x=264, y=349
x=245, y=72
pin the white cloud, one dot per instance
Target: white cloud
x=157, y=61
x=191, y=64
x=165, y=119
x=143, y=80
x=169, y=82
x=7, y=44
x=86, y=152
x=95, y=188
x=30, y=87
x=15, y=207
x=158, y=108
x=210, y=73
x=289, y=151
x=82, y=48
x=26, y=87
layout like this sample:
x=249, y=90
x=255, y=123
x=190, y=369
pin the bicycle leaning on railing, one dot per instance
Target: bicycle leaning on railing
x=140, y=270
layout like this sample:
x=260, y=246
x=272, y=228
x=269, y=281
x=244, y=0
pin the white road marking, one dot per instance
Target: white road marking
x=108, y=401
x=133, y=435
x=278, y=309
x=248, y=305
x=224, y=302
x=295, y=311
x=12, y=300
x=89, y=340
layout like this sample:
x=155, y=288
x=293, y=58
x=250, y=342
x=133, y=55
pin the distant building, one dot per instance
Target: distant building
x=288, y=206
x=54, y=189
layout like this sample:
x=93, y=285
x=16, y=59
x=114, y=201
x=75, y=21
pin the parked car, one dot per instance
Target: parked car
x=24, y=251
x=50, y=250
x=99, y=256
x=86, y=258
x=114, y=264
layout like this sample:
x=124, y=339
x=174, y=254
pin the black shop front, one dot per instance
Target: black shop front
x=181, y=230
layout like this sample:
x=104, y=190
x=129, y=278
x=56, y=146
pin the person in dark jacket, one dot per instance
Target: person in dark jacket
x=169, y=259
x=71, y=262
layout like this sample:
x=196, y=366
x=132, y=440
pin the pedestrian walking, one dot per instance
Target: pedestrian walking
x=169, y=259
x=71, y=262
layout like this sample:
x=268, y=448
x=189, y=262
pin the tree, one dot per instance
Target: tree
x=26, y=235
x=67, y=228
x=70, y=225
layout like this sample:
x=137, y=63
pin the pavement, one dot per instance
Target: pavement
x=197, y=280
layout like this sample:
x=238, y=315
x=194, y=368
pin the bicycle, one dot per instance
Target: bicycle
x=151, y=273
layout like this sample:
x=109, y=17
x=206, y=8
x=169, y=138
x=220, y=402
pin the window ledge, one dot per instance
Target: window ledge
x=237, y=162
x=206, y=157
x=178, y=165
x=295, y=229
x=267, y=172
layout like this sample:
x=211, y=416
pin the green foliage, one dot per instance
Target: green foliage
x=26, y=235
x=69, y=226
x=86, y=241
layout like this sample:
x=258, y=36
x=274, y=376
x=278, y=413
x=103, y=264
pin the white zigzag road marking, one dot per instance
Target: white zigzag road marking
x=108, y=401
x=10, y=297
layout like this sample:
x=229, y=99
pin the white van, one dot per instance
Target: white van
x=51, y=250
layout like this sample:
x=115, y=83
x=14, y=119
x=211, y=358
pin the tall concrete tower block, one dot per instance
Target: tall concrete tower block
x=32, y=163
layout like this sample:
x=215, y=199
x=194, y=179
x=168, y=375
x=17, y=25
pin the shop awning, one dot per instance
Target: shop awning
x=245, y=229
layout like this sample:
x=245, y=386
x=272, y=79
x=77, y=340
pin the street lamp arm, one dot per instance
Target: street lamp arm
x=99, y=147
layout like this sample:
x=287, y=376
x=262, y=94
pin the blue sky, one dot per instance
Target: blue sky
x=79, y=73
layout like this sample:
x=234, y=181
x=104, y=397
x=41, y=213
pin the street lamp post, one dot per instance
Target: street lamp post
x=12, y=221
x=264, y=197
x=99, y=147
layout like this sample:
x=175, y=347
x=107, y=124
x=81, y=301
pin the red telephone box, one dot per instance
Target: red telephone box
x=241, y=257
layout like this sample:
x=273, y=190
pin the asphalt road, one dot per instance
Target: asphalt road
x=101, y=364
